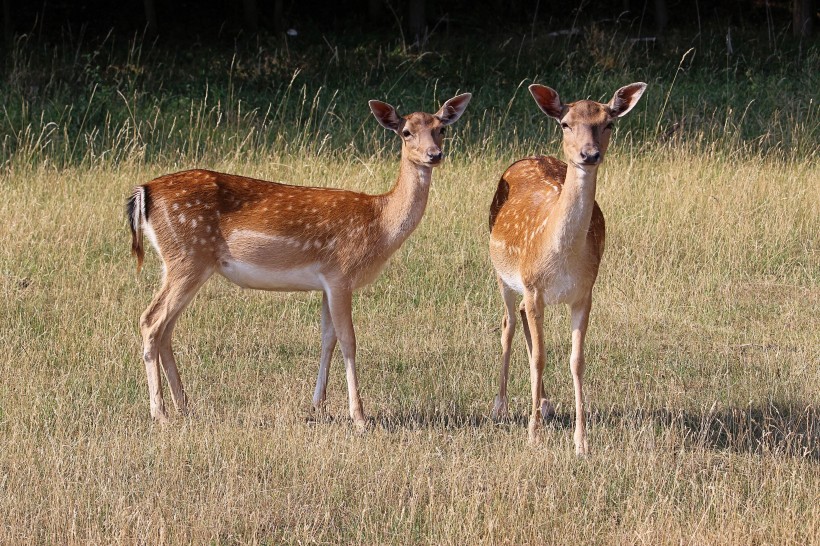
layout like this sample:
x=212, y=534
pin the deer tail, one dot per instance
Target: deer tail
x=136, y=214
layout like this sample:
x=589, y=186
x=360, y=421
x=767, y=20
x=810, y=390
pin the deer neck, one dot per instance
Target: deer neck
x=404, y=204
x=573, y=211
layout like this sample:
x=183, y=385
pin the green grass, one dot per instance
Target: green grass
x=702, y=376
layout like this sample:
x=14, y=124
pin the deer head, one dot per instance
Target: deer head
x=421, y=134
x=587, y=125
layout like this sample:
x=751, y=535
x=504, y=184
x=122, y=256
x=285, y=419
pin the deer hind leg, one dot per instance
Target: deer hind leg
x=500, y=404
x=166, y=353
x=156, y=325
x=340, y=302
x=579, y=313
x=534, y=310
x=547, y=409
x=328, y=344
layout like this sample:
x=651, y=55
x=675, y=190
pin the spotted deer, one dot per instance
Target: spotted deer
x=273, y=236
x=547, y=239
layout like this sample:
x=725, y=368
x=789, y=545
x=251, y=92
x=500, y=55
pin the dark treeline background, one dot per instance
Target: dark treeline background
x=186, y=82
x=186, y=20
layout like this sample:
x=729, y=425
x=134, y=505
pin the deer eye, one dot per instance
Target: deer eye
x=441, y=131
x=406, y=133
x=609, y=126
x=564, y=125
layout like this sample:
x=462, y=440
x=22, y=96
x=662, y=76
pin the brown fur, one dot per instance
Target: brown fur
x=525, y=198
x=547, y=237
x=221, y=204
x=275, y=236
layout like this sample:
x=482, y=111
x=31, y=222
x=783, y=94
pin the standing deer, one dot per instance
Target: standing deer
x=272, y=236
x=547, y=239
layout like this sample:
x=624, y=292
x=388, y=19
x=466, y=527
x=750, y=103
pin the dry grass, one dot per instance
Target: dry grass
x=702, y=379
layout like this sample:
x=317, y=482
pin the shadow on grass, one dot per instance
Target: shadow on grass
x=790, y=429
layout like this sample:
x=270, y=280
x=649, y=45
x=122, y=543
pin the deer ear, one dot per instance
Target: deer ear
x=386, y=115
x=626, y=98
x=548, y=101
x=451, y=110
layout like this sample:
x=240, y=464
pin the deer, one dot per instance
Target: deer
x=274, y=236
x=546, y=242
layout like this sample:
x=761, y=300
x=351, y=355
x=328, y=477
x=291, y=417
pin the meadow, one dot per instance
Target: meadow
x=702, y=376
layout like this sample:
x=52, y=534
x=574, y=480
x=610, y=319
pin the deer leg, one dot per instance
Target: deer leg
x=156, y=325
x=534, y=308
x=500, y=405
x=176, y=304
x=340, y=301
x=547, y=409
x=150, y=323
x=522, y=309
x=328, y=344
x=579, y=313
x=166, y=358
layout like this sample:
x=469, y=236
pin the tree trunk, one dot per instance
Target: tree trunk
x=151, y=29
x=416, y=19
x=8, y=28
x=803, y=18
x=375, y=11
x=661, y=17
x=250, y=16
x=278, y=15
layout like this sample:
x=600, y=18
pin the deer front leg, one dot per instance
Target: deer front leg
x=547, y=409
x=500, y=405
x=340, y=301
x=328, y=344
x=535, y=319
x=580, y=319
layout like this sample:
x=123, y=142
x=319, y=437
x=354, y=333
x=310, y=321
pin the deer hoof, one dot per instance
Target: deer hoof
x=533, y=432
x=547, y=410
x=500, y=409
x=581, y=448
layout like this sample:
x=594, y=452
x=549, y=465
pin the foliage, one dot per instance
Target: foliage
x=115, y=100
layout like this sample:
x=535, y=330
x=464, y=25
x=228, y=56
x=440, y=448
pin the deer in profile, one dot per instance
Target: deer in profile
x=547, y=239
x=273, y=236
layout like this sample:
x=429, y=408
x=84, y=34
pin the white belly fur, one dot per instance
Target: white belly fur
x=513, y=280
x=255, y=276
x=560, y=288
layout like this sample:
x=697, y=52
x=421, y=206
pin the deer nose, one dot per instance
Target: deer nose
x=591, y=156
x=434, y=154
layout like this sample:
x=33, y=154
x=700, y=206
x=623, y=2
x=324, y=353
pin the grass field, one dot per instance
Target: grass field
x=702, y=375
